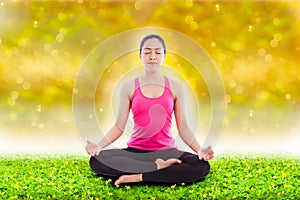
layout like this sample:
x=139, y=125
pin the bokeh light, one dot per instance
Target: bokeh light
x=255, y=45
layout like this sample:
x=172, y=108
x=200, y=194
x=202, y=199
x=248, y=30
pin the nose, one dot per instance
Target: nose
x=152, y=56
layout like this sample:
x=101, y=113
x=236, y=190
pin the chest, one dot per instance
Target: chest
x=152, y=90
x=142, y=103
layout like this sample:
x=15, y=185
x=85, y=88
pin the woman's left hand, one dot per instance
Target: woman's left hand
x=93, y=149
x=206, y=153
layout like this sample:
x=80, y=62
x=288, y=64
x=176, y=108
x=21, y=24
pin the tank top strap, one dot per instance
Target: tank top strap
x=136, y=83
x=167, y=84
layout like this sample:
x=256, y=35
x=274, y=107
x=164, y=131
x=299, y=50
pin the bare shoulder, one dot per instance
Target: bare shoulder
x=176, y=88
x=175, y=85
x=128, y=88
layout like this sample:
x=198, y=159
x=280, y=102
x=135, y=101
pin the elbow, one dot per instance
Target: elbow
x=118, y=128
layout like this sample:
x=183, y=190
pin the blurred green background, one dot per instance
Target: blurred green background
x=255, y=45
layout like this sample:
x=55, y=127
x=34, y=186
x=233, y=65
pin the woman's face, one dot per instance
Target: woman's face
x=152, y=54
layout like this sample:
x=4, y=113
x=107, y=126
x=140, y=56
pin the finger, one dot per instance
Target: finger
x=209, y=157
x=89, y=152
x=92, y=153
x=200, y=157
x=98, y=152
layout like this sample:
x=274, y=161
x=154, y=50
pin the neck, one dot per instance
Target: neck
x=152, y=76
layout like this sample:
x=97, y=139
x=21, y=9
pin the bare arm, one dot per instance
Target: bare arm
x=117, y=129
x=184, y=130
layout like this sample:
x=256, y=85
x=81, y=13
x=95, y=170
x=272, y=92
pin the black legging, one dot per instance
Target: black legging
x=116, y=162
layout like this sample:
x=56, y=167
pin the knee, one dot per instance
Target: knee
x=202, y=168
x=101, y=169
x=206, y=167
x=94, y=164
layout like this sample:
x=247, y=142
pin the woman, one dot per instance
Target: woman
x=151, y=155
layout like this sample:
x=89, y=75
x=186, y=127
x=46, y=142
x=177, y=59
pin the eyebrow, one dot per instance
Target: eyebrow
x=159, y=48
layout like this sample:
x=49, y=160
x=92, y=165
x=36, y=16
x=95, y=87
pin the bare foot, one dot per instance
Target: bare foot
x=166, y=163
x=129, y=179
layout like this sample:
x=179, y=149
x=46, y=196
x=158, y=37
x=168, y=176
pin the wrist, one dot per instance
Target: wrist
x=199, y=150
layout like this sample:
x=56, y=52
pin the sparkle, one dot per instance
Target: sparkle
x=41, y=126
x=250, y=28
x=61, y=16
x=268, y=58
x=217, y=7
x=232, y=83
x=33, y=124
x=19, y=79
x=11, y=101
x=126, y=15
x=262, y=52
x=101, y=109
x=188, y=3
x=213, y=44
x=93, y=4
x=276, y=21
x=228, y=98
x=189, y=19
x=14, y=95
x=251, y=113
x=101, y=12
x=35, y=24
x=239, y=89
x=287, y=96
x=60, y=37
x=194, y=25
x=274, y=43
x=277, y=37
x=2, y=4
x=48, y=47
x=24, y=42
x=39, y=108
x=26, y=85
x=138, y=5
x=54, y=53
x=63, y=31
x=75, y=91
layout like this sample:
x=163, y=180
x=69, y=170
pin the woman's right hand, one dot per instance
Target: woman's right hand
x=92, y=148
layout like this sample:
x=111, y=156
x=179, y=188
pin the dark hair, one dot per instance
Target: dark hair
x=150, y=37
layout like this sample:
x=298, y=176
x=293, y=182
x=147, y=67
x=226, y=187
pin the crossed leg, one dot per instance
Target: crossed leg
x=133, y=178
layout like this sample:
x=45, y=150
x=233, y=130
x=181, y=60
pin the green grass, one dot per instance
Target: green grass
x=69, y=177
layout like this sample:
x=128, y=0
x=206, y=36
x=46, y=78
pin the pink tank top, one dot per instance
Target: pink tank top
x=152, y=120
